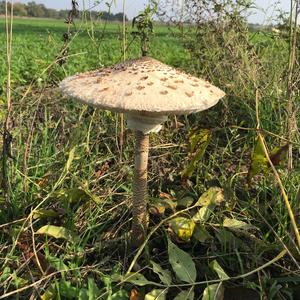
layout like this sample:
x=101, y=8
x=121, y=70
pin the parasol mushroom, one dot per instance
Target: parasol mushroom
x=147, y=91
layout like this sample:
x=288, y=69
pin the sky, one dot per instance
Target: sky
x=266, y=9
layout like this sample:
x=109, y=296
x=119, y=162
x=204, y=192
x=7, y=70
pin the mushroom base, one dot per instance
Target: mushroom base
x=145, y=123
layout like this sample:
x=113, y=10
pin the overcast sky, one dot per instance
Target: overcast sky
x=134, y=6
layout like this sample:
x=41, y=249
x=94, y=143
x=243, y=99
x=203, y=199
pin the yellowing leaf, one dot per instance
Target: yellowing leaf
x=57, y=232
x=203, y=214
x=70, y=158
x=214, y=292
x=199, y=141
x=259, y=161
x=214, y=265
x=182, y=263
x=237, y=225
x=157, y=294
x=183, y=227
x=44, y=213
x=185, y=295
x=213, y=195
x=49, y=294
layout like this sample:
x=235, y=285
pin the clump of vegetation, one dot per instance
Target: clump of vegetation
x=221, y=194
x=36, y=10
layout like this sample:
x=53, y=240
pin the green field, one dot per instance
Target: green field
x=37, y=43
x=69, y=169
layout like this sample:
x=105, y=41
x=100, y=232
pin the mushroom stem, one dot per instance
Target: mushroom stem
x=139, y=200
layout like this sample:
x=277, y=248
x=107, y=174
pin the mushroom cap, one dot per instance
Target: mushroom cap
x=144, y=86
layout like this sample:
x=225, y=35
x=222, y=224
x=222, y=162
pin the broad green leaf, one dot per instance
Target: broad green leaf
x=93, y=290
x=157, y=294
x=120, y=295
x=185, y=295
x=214, y=265
x=259, y=162
x=68, y=291
x=185, y=201
x=49, y=294
x=236, y=224
x=137, y=279
x=44, y=213
x=199, y=141
x=214, y=195
x=70, y=158
x=75, y=195
x=183, y=227
x=201, y=234
x=58, y=232
x=5, y=274
x=84, y=295
x=214, y=292
x=203, y=214
x=164, y=275
x=57, y=263
x=17, y=281
x=182, y=263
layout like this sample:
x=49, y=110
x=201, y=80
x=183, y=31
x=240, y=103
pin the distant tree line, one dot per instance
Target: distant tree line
x=35, y=10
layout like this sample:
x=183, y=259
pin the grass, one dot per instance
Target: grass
x=90, y=49
x=72, y=178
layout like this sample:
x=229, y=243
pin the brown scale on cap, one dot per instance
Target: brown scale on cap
x=104, y=89
x=179, y=81
x=171, y=86
x=190, y=94
x=164, y=92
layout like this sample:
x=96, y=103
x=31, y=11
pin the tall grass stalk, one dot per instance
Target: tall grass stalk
x=291, y=112
x=6, y=155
